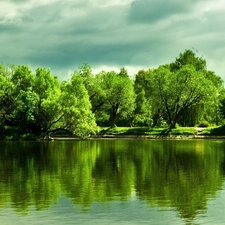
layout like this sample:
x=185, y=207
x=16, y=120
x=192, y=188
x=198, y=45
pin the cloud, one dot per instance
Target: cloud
x=61, y=35
x=151, y=11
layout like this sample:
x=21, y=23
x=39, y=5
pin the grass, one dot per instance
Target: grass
x=209, y=131
x=214, y=131
x=147, y=131
x=156, y=131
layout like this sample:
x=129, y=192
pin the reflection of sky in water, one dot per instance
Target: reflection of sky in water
x=216, y=210
x=114, y=212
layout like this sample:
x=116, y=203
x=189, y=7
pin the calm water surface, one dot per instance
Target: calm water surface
x=112, y=182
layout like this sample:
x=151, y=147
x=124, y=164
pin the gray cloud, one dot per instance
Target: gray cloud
x=151, y=11
x=15, y=1
x=146, y=33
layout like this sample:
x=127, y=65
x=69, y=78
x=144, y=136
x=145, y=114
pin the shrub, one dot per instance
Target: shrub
x=203, y=124
x=142, y=121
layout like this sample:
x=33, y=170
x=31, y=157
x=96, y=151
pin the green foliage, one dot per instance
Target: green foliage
x=48, y=89
x=26, y=104
x=119, y=96
x=178, y=91
x=188, y=57
x=6, y=99
x=209, y=109
x=203, y=124
x=214, y=131
x=222, y=107
x=142, y=121
x=76, y=108
x=182, y=93
x=22, y=78
x=147, y=131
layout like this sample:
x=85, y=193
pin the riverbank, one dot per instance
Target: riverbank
x=162, y=133
x=138, y=133
x=155, y=133
x=183, y=137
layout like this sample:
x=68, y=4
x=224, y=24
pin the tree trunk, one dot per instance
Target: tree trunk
x=173, y=124
x=114, y=114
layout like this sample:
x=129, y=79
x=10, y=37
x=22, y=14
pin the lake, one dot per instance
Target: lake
x=177, y=182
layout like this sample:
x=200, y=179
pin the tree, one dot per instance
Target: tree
x=207, y=111
x=6, y=101
x=22, y=78
x=188, y=57
x=76, y=108
x=119, y=96
x=92, y=85
x=49, y=107
x=222, y=103
x=178, y=91
x=5, y=71
x=16, y=96
x=143, y=107
x=25, y=103
x=211, y=107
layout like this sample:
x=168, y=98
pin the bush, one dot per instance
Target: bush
x=203, y=124
x=141, y=121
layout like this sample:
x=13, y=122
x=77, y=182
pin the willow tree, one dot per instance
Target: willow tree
x=180, y=90
x=207, y=110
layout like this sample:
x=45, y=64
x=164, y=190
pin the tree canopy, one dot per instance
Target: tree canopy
x=183, y=92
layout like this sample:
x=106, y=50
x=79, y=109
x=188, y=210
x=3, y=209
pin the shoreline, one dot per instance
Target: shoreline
x=122, y=136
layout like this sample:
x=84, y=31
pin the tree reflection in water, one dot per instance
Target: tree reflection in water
x=183, y=175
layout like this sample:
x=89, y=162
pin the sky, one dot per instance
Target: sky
x=136, y=34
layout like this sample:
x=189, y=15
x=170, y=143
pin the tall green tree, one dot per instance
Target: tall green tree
x=48, y=90
x=22, y=78
x=92, y=84
x=143, y=107
x=211, y=107
x=207, y=110
x=26, y=103
x=6, y=100
x=23, y=99
x=178, y=91
x=119, y=96
x=76, y=108
x=188, y=57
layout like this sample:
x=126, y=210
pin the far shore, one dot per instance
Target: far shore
x=164, y=137
x=180, y=133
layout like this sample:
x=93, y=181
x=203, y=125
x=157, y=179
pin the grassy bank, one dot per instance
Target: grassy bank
x=185, y=131
x=147, y=131
x=132, y=131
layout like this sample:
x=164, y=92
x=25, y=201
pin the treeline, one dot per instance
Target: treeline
x=181, y=93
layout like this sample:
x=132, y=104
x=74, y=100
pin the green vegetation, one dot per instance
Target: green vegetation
x=180, y=94
x=147, y=131
x=216, y=131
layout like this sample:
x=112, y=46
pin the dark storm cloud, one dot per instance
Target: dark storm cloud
x=61, y=35
x=63, y=39
x=151, y=11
